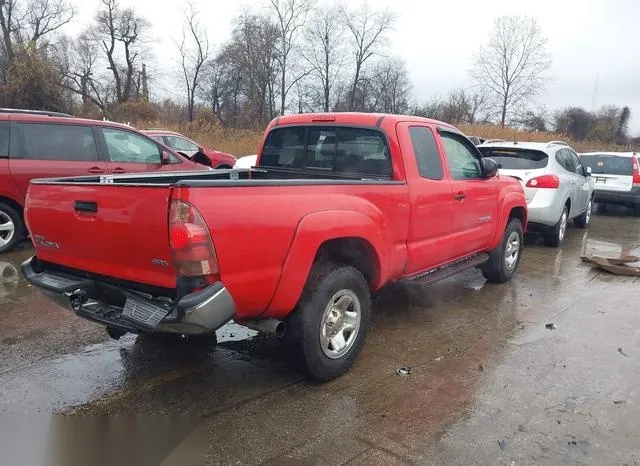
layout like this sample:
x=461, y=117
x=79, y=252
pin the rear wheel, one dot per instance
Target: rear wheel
x=328, y=328
x=584, y=219
x=555, y=236
x=11, y=228
x=504, y=260
x=636, y=210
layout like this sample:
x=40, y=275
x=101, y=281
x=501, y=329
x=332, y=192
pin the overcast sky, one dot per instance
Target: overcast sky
x=587, y=39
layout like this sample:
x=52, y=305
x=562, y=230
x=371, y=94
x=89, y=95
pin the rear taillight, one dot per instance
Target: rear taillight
x=636, y=170
x=191, y=243
x=544, y=181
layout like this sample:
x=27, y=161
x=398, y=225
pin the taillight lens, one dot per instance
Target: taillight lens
x=636, y=170
x=191, y=243
x=544, y=181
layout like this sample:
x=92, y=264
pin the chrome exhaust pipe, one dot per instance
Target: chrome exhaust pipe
x=271, y=326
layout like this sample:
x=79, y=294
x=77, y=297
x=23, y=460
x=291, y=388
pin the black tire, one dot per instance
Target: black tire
x=554, y=237
x=497, y=269
x=584, y=220
x=305, y=327
x=17, y=234
x=636, y=210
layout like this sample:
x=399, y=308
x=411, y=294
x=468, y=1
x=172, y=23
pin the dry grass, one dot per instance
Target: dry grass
x=245, y=142
x=238, y=142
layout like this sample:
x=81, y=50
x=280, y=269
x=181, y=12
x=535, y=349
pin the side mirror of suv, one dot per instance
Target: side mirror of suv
x=490, y=167
x=589, y=171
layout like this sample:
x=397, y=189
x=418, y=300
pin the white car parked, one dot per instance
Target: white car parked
x=616, y=176
x=247, y=161
x=557, y=186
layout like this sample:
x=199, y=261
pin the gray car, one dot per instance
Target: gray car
x=557, y=185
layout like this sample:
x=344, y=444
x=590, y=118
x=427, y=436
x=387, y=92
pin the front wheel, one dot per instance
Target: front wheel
x=329, y=326
x=584, y=219
x=504, y=260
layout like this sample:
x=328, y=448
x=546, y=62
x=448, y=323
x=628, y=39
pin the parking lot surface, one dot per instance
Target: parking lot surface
x=490, y=383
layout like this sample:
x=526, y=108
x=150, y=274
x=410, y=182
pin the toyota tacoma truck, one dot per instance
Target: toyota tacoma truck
x=337, y=207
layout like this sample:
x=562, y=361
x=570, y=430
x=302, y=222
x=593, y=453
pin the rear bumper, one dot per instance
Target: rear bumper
x=129, y=311
x=545, y=208
x=618, y=197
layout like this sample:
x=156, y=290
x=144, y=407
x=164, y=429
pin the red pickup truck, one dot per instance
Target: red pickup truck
x=337, y=207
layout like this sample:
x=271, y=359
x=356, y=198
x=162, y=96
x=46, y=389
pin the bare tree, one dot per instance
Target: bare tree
x=290, y=17
x=512, y=67
x=390, y=86
x=324, y=51
x=249, y=63
x=367, y=30
x=121, y=31
x=194, y=53
x=45, y=17
x=30, y=23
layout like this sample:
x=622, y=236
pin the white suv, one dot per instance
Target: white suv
x=557, y=186
x=616, y=176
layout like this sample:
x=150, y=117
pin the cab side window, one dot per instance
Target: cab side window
x=426, y=152
x=464, y=163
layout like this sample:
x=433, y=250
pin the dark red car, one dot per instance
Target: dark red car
x=38, y=144
x=194, y=151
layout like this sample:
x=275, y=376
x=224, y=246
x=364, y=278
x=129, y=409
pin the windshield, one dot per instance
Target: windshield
x=608, y=164
x=516, y=159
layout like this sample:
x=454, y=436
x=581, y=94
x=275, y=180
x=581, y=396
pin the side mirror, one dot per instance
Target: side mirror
x=589, y=171
x=490, y=167
x=166, y=158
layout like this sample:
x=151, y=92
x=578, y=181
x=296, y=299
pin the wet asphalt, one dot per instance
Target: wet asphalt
x=490, y=383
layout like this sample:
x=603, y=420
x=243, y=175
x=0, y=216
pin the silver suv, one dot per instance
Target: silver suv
x=557, y=185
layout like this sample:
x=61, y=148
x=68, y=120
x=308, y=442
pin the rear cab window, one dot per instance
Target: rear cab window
x=608, y=164
x=361, y=152
x=516, y=159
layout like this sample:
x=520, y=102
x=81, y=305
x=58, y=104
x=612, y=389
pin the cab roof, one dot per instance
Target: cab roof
x=354, y=118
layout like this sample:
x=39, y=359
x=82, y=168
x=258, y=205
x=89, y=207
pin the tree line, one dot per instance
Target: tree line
x=286, y=56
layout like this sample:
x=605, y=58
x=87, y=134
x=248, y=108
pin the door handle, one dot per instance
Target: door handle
x=459, y=197
x=119, y=170
x=96, y=170
x=86, y=206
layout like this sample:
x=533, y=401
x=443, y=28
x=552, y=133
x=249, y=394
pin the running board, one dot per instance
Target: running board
x=450, y=270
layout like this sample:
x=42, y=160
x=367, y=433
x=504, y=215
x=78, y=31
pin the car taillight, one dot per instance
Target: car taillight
x=193, y=252
x=636, y=170
x=544, y=181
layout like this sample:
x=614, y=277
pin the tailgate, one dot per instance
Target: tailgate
x=111, y=230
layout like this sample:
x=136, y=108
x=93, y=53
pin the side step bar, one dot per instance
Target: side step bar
x=450, y=270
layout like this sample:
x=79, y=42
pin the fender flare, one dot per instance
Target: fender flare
x=312, y=231
x=510, y=201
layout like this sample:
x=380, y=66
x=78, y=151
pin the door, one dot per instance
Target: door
x=475, y=196
x=431, y=200
x=47, y=150
x=569, y=179
x=130, y=152
x=583, y=182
